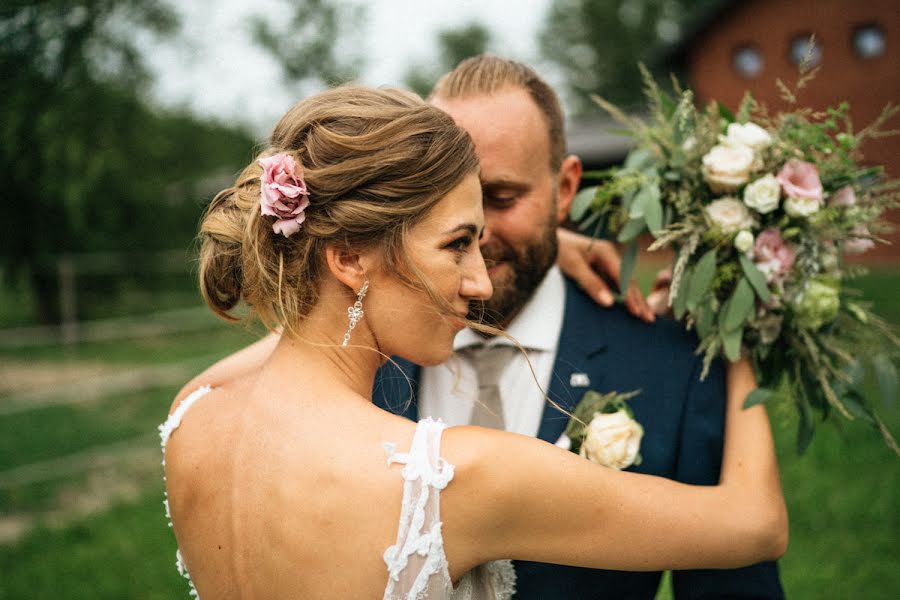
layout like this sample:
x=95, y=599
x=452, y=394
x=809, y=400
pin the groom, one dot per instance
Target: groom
x=528, y=184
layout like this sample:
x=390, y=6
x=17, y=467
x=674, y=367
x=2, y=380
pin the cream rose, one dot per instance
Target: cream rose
x=743, y=241
x=612, y=440
x=748, y=134
x=763, y=194
x=726, y=167
x=801, y=207
x=729, y=214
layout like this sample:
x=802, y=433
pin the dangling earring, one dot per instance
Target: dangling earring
x=355, y=312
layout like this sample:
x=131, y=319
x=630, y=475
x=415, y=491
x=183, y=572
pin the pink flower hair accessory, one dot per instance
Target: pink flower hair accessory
x=283, y=193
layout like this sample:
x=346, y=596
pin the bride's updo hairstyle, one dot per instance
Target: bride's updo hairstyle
x=374, y=161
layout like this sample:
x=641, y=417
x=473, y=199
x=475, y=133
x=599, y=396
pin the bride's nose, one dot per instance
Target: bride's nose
x=475, y=284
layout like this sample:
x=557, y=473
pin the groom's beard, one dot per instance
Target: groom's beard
x=514, y=286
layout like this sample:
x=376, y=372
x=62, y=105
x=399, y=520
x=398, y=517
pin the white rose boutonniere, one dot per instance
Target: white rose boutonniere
x=604, y=431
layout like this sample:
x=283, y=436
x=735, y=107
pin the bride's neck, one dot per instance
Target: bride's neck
x=315, y=347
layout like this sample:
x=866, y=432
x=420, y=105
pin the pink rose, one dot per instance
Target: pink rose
x=843, y=197
x=283, y=193
x=859, y=243
x=772, y=255
x=800, y=179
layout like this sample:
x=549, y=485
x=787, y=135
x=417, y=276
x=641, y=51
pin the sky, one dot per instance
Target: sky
x=215, y=70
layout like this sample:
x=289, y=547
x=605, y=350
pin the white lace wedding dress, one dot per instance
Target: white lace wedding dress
x=416, y=564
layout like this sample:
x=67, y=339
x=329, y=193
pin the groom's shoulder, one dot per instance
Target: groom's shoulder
x=621, y=329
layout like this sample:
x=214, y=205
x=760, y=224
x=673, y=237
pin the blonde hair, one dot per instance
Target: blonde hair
x=374, y=162
x=487, y=74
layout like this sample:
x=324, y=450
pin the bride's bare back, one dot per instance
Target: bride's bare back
x=285, y=497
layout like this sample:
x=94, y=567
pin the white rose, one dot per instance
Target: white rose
x=748, y=134
x=726, y=167
x=729, y=214
x=801, y=207
x=612, y=440
x=763, y=194
x=743, y=241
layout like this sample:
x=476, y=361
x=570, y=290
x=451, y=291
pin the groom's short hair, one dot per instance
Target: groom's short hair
x=486, y=74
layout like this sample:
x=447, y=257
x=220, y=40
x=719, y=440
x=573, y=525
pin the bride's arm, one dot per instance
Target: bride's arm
x=537, y=502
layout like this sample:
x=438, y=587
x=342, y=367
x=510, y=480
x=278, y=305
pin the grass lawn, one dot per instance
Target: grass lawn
x=843, y=495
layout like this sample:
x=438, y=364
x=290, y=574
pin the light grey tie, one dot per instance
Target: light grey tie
x=489, y=363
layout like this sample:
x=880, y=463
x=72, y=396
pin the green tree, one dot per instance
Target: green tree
x=454, y=46
x=86, y=164
x=315, y=44
x=598, y=43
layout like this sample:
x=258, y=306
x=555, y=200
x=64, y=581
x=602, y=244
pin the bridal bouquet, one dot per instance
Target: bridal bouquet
x=760, y=211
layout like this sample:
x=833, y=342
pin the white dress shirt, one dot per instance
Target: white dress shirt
x=448, y=391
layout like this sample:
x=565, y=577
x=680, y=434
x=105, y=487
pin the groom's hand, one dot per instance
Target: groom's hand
x=587, y=261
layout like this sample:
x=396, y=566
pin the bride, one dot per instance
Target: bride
x=356, y=232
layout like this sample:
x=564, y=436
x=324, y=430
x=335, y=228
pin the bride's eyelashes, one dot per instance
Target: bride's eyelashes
x=461, y=243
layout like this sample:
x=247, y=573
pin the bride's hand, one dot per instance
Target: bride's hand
x=587, y=260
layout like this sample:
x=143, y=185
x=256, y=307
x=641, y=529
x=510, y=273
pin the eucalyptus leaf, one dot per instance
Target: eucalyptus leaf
x=756, y=279
x=631, y=230
x=702, y=278
x=582, y=202
x=853, y=403
x=731, y=342
x=740, y=306
x=653, y=211
x=640, y=159
x=629, y=258
x=704, y=321
x=886, y=374
x=758, y=396
x=679, y=305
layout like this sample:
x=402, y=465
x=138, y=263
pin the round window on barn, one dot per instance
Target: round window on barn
x=868, y=41
x=747, y=61
x=806, y=50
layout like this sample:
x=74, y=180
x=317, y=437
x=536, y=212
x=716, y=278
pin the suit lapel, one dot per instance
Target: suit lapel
x=579, y=362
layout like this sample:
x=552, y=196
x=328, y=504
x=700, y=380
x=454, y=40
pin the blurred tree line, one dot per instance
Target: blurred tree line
x=598, y=43
x=88, y=164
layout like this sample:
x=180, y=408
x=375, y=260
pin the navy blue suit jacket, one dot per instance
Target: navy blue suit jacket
x=683, y=420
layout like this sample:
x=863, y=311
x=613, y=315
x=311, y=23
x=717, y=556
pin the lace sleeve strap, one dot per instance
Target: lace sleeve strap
x=417, y=566
x=174, y=419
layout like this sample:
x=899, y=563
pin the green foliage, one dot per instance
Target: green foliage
x=701, y=278
x=93, y=166
x=596, y=42
x=756, y=279
x=454, y=46
x=306, y=45
x=804, y=326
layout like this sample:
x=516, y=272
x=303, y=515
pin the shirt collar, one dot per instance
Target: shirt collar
x=538, y=324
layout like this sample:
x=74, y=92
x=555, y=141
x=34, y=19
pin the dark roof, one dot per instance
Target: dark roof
x=592, y=139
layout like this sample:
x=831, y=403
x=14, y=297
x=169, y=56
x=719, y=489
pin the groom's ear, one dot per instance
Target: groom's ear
x=567, y=182
x=346, y=265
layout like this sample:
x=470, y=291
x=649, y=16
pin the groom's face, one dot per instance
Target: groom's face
x=519, y=193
